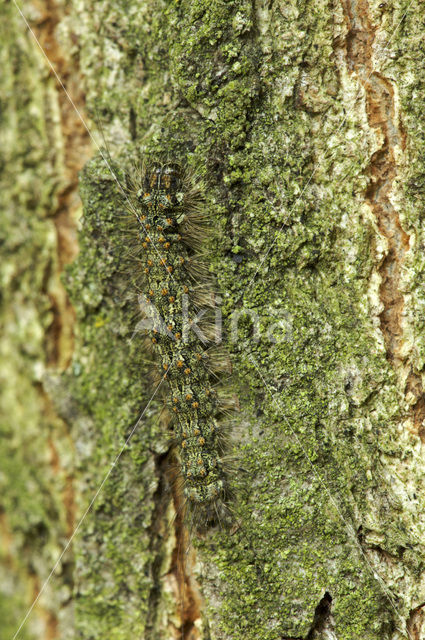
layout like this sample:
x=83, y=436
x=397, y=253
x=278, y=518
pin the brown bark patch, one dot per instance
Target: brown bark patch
x=51, y=624
x=416, y=622
x=68, y=494
x=182, y=567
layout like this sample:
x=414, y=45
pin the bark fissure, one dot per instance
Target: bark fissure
x=188, y=597
x=181, y=560
x=415, y=622
x=383, y=118
x=322, y=624
x=156, y=547
x=74, y=151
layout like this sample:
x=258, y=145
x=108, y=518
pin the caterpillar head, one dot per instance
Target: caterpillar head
x=161, y=187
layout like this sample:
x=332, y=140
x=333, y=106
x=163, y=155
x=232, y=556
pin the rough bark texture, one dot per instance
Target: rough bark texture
x=42, y=147
x=308, y=119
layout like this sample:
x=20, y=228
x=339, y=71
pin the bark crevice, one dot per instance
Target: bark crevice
x=382, y=171
x=69, y=158
x=184, y=557
x=415, y=622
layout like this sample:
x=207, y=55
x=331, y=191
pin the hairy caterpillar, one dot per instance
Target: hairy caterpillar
x=166, y=228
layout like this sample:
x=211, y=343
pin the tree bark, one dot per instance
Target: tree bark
x=307, y=120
